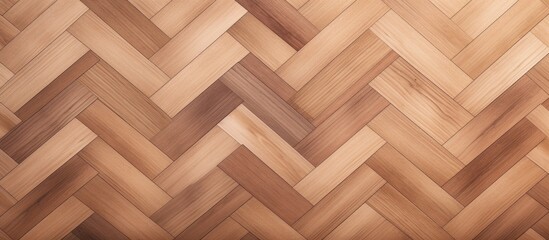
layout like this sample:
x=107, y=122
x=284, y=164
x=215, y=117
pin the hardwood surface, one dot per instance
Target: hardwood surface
x=274, y=119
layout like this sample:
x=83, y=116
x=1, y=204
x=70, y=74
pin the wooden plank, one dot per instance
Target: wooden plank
x=540, y=155
x=6, y=201
x=266, y=105
x=5, y=74
x=424, y=152
x=450, y=7
x=126, y=100
x=132, y=25
x=539, y=117
x=531, y=235
x=7, y=31
x=539, y=192
x=282, y=19
x=407, y=216
x=500, y=36
x=341, y=126
x=46, y=159
x=542, y=227
x=57, y=86
x=198, y=161
x=61, y=221
x=6, y=164
x=414, y=185
x=8, y=120
x=495, y=120
x=41, y=71
x=265, y=185
x=322, y=12
x=208, y=67
x=149, y=8
x=541, y=29
x=491, y=164
x=312, y=58
x=220, y=211
x=268, y=77
x=130, y=182
x=41, y=33
x=262, y=141
x=46, y=197
x=191, y=203
x=118, y=53
x=23, y=12
x=477, y=15
x=113, y=207
x=124, y=139
x=387, y=231
x=421, y=54
x=495, y=200
x=341, y=74
x=198, y=35
x=179, y=13
x=338, y=166
x=433, y=24
x=540, y=73
x=359, y=225
x=24, y=139
x=96, y=227
x=5, y=5
x=228, y=229
x=333, y=209
x=196, y=119
x=421, y=101
x=261, y=41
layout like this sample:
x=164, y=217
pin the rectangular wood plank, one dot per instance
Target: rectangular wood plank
x=359, y=225
x=177, y=14
x=450, y=7
x=540, y=155
x=23, y=12
x=7, y=31
x=541, y=29
x=149, y=8
x=228, y=229
x=322, y=12
x=96, y=227
x=267, y=76
x=477, y=15
x=540, y=73
x=8, y=120
x=539, y=192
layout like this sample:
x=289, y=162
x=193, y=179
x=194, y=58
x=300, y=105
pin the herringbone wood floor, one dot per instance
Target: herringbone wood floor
x=274, y=119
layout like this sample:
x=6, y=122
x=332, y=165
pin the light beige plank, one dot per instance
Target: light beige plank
x=8, y=120
x=541, y=31
x=540, y=155
x=321, y=12
x=477, y=15
x=540, y=117
x=46, y=159
x=249, y=130
x=149, y=7
x=450, y=7
x=421, y=54
x=179, y=13
x=118, y=53
x=199, y=75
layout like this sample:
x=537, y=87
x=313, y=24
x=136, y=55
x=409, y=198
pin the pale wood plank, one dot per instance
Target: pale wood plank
x=23, y=12
x=541, y=31
x=539, y=117
x=228, y=229
x=149, y=7
x=450, y=7
x=477, y=15
x=179, y=13
x=540, y=73
x=323, y=12
x=540, y=155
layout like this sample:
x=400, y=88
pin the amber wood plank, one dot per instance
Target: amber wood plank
x=208, y=67
x=124, y=139
x=191, y=203
x=540, y=155
x=337, y=206
x=322, y=12
x=268, y=77
x=126, y=100
x=477, y=15
x=41, y=33
x=338, y=166
x=348, y=26
x=495, y=200
x=198, y=35
x=421, y=101
x=263, y=223
x=196, y=119
x=495, y=120
x=57, y=86
x=249, y=130
x=341, y=126
x=46, y=197
x=421, y=54
x=228, y=229
x=424, y=152
x=450, y=7
x=265, y=185
x=23, y=140
x=7, y=31
x=496, y=160
x=96, y=227
x=113, y=49
x=359, y=225
x=220, y=211
x=179, y=13
x=539, y=192
x=113, y=207
x=41, y=71
x=282, y=19
x=149, y=8
x=61, y=221
x=500, y=36
x=124, y=177
x=8, y=120
x=131, y=24
x=266, y=105
x=539, y=117
x=341, y=74
x=23, y=12
x=414, y=185
x=261, y=41
x=540, y=73
x=541, y=29
x=531, y=235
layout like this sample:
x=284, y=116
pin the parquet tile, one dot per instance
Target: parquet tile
x=274, y=119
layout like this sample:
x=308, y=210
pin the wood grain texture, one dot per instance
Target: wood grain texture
x=96, y=227
x=175, y=15
x=477, y=15
x=540, y=155
x=7, y=32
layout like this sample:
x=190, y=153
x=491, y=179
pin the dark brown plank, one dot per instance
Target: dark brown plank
x=28, y=136
x=266, y=105
x=268, y=77
x=283, y=19
x=265, y=185
x=97, y=228
x=196, y=119
x=130, y=23
x=213, y=217
x=54, y=88
x=540, y=192
x=125, y=99
x=342, y=125
x=46, y=197
x=496, y=160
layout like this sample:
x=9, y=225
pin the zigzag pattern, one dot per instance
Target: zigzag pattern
x=274, y=119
